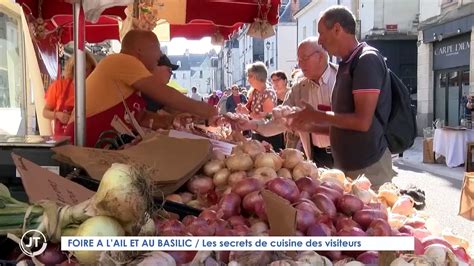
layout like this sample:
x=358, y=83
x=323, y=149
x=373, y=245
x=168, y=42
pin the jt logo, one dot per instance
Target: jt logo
x=33, y=243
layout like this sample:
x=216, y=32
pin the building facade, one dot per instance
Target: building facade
x=445, y=61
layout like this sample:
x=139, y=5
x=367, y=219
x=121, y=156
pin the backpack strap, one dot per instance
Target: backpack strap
x=353, y=66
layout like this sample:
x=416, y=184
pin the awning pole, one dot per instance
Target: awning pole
x=79, y=76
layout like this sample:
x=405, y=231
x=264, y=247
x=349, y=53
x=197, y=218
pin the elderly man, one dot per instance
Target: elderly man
x=114, y=88
x=362, y=89
x=315, y=88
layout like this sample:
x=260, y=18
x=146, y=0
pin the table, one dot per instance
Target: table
x=451, y=143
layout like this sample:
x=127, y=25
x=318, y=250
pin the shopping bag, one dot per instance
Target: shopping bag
x=466, y=204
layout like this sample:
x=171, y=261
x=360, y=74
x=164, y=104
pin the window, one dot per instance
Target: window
x=304, y=32
x=184, y=75
x=445, y=3
x=315, y=27
x=200, y=74
x=174, y=75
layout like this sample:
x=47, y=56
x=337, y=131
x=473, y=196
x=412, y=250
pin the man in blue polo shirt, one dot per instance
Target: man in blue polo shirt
x=356, y=134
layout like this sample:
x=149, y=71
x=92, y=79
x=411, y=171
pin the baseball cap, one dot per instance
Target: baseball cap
x=165, y=61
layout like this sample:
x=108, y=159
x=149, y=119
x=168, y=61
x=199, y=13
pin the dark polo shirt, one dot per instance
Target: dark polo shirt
x=354, y=150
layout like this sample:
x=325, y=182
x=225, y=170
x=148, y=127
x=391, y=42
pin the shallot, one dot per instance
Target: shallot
x=284, y=187
x=246, y=186
x=229, y=205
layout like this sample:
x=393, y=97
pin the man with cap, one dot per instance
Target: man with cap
x=164, y=69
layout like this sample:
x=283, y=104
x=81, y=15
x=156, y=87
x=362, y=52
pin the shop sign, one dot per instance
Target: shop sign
x=453, y=52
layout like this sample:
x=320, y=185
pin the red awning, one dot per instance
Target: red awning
x=199, y=29
x=106, y=28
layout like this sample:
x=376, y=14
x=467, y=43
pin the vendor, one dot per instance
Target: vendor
x=114, y=88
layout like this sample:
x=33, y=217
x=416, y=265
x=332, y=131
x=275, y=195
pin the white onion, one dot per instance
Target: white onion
x=211, y=167
x=253, y=148
x=269, y=159
x=220, y=177
x=437, y=252
x=157, y=258
x=96, y=226
x=235, y=177
x=259, y=228
x=284, y=172
x=264, y=174
x=305, y=168
x=291, y=158
x=239, y=162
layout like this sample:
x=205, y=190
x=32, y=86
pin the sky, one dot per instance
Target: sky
x=178, y=46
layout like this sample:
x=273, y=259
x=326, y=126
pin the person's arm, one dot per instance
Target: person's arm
x=160, y=92
x=48, y=112
x=267, y=107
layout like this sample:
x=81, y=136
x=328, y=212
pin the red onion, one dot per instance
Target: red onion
x=250, y=200
x=436, y=240
x=304, y=219
x=304, y=194
x=369, y=258
x=220, y=226
x=182, y=257
x=188, y=219
x=351, y=231
x=284, y=187
x=306, y=184
x=299, y=233
x=208, y=215
x=237, y=220
x=212, y=197
x=197, y=229
x=260, y=211
x=365, y=216
x=379, y=227
x=325, y=204
x=247, y=185
x=200, y=184
x=52, y=255
x=171, y=227
x=186, y=197
x=222, y=256
x=419, y=248
x=241, y=230
x=318, y=229
x=329, y=192
x=332, y=185
x=229, y=205
x=305, y=204
x=349, y=204
x=343, y=222
x=406, y=229
x=415, y=222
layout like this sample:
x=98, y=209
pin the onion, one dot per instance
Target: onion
x=250, y=200
x=343, y=222
x=325, y=204
x=237, y=220
x=220, y=226
x=349, y=204
x=239, y=162
x=363, y=195
x=307, y=184
x=333, y=185
x=200, y=184
x=182, y=257
x=175, y=198
x=285, y=188
x=52, y=255
x=212, y=167
x=305, y=168
x=186, y=197
x=157, y=258
x=253, y=148
x=291, y=157
x=235, y=177
x=229, y=205
x=217, y=155
x=351, y=231
x=264, y=174
x=438, y=253
x=362, y=183
x=406, y=229
x=260, y=210
x=369, y=258
x=419, y=248
x=171, y=227
x=246, y=186
x=283, y=172
x=241, y=230
x=259, y=228
x=455, y=239
x=304, y=219
x=220, y=177
x=436, y=240
x=332, y=194
x=404, y=206
x=310, y=258
x=318, y=229
x=197, y=228
x=208, y=215
x=366, y=216
x=96, y=226
x=307, y=205
x=379, y=227
x=333, y=175
x=271, y=160
x=415, y=222
x=188, y=219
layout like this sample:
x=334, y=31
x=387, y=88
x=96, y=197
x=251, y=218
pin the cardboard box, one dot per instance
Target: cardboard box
x=428, y=154
x=173, y=161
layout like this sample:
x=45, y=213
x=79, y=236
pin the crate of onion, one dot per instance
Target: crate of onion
x=230, y=192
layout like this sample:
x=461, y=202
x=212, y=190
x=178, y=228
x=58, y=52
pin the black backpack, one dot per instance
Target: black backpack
x=400, y=130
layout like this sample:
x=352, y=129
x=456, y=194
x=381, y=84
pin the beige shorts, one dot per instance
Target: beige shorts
x=378, y=173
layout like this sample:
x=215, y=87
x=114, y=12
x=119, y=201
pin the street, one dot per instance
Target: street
x=442, y=198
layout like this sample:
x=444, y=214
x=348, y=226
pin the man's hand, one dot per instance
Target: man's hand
x=242, y=109
x=303, y=120
x=243, y=124
x=62, y=117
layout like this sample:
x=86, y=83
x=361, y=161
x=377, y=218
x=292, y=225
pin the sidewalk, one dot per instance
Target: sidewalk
x=413, y=158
